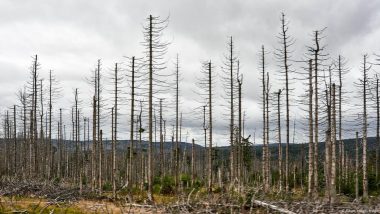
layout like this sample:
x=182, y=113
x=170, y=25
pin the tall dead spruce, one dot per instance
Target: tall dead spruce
x=315, y=52
x=283, y=55
x=155, y=50
x=230, y=88
x=365, y=90
x=311, y=133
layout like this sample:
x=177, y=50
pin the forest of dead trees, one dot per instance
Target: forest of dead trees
x=80, y=145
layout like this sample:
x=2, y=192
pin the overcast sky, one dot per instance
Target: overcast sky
x=69, y=36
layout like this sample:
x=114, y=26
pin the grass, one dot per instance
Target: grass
x=35, y=205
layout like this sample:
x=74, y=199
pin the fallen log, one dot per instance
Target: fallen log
x=271, y=206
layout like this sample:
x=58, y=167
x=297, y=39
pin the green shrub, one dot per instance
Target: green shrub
x=107, y=186
x=156, y=188
x=185, y=179
x=56, y=181
x=197, y=183
x=373, y=185
x=167, y=186
x=84, y=180
x=157, y=180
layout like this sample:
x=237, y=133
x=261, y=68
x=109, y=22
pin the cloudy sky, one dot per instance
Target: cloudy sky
x=69, y=36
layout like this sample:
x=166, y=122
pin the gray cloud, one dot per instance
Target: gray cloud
x=69, y=36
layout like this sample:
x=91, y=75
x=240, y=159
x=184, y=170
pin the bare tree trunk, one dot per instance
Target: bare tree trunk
x=377, y=128
x=113, y=116
x=94, y=143
x=205, y=141
x=161, y=143
x=316, y=121
x=116, y=90
x=44, y=158
x=14, y=141
x=150, y=111
x=193, y=162
x=59, y=167
x=51, y=152
x=333, y=143
x=209, y=186
x=131, y=146
x=311, y=143
x=98, y=139
x=327, y=166
x=279, y=138
x=357, y=166
x=264, y=118
x=267, y=161
x=7, y=155
x=365, y=180
x=176, y=128
x=286, y=66
x=238, y=153
x=24, y=134
x=302, y=165
x=75, y=137
x=100, y=162
x=232, y=155
x=34, y=118
x=341, y=146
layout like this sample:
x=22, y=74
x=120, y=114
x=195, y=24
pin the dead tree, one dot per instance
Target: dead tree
x=76, y=139
x=205, y=127
x=279, y=138
x=333, y=143
x=33, y=169
x=6, y=155
x=357, y=166
x=177, y=167
x=100, y=146
x=209, y=186
x=50, y=156
x=155, y=50
x=14, y=142
x=113, y=152
x=192, y=162
x=311, y=133
x=316, y=53
x=44, y=160
x=54, y=92
x=267, y=153
x=206, y=88
x=363, y=83
x=238, y=149
x=228, y=78
x=98, y=92
x=93, y=155
x=377, y=100
x=23, y=101
x=161, y=172
x=377, y=127
x=60, y=146
x=95, y=82
x=328, y=142
x=132, y=121
x=283, y=54
x=117, y=79
x=264, y=102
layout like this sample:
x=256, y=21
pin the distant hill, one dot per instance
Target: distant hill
x=295, y=150
x=124, y=144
